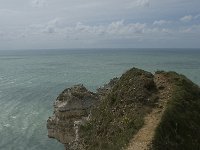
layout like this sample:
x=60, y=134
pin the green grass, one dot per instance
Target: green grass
x=180, y=125
x=121, y=114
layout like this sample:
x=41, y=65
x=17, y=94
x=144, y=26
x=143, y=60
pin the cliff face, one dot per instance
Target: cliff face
x=71, y=109
x=138, y=111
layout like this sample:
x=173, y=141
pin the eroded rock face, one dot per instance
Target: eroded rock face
x=71, y=109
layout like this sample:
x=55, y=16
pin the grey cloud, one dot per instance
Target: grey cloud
x=39, y=22
x=49, y=30
x=194, y=29
x=38, y=3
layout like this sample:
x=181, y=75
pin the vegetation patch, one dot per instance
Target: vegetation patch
x=121, y=113
x=179, y=128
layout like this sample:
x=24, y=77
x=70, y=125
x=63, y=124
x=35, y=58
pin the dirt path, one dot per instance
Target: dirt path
x=142, y=140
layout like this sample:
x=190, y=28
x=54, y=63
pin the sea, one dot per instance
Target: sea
x=30, y=81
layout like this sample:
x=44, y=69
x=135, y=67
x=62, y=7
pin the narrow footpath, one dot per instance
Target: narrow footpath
x=143, y=139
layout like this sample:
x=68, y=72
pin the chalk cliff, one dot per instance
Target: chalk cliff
x=71, y=108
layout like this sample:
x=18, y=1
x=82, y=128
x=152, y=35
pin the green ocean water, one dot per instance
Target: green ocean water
x=30, y=81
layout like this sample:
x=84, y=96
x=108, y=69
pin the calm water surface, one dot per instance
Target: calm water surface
x=31, y=80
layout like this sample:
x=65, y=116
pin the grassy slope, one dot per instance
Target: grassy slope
x=120, y=115
x=180, y=125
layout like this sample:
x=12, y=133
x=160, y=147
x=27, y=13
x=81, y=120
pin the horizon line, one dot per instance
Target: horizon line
x=116, y=48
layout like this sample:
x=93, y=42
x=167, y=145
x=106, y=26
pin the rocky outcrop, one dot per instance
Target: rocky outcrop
x=138, y=111
x=71, y=109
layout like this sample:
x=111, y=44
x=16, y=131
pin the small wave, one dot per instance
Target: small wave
x=13, y=117
x=35, y=113
x=7, y=83
x=6, y=125
x=24, y=128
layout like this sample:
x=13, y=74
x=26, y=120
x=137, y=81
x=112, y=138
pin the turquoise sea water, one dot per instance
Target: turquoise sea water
x=31, y=80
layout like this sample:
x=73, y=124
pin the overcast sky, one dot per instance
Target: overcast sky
x=38, y=24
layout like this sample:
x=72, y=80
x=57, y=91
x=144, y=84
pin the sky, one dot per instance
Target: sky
x=52, y=24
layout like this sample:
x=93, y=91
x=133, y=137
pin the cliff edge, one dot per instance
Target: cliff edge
x=138, y=111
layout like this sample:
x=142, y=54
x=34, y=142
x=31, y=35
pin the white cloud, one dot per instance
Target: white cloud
x=49, y=27
x=189, y=18
x=143, y=3
x=161, y=22
x=52, y=25
x=137, y=3
x=116, y=29
x=186, y=18
x=55, y=22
